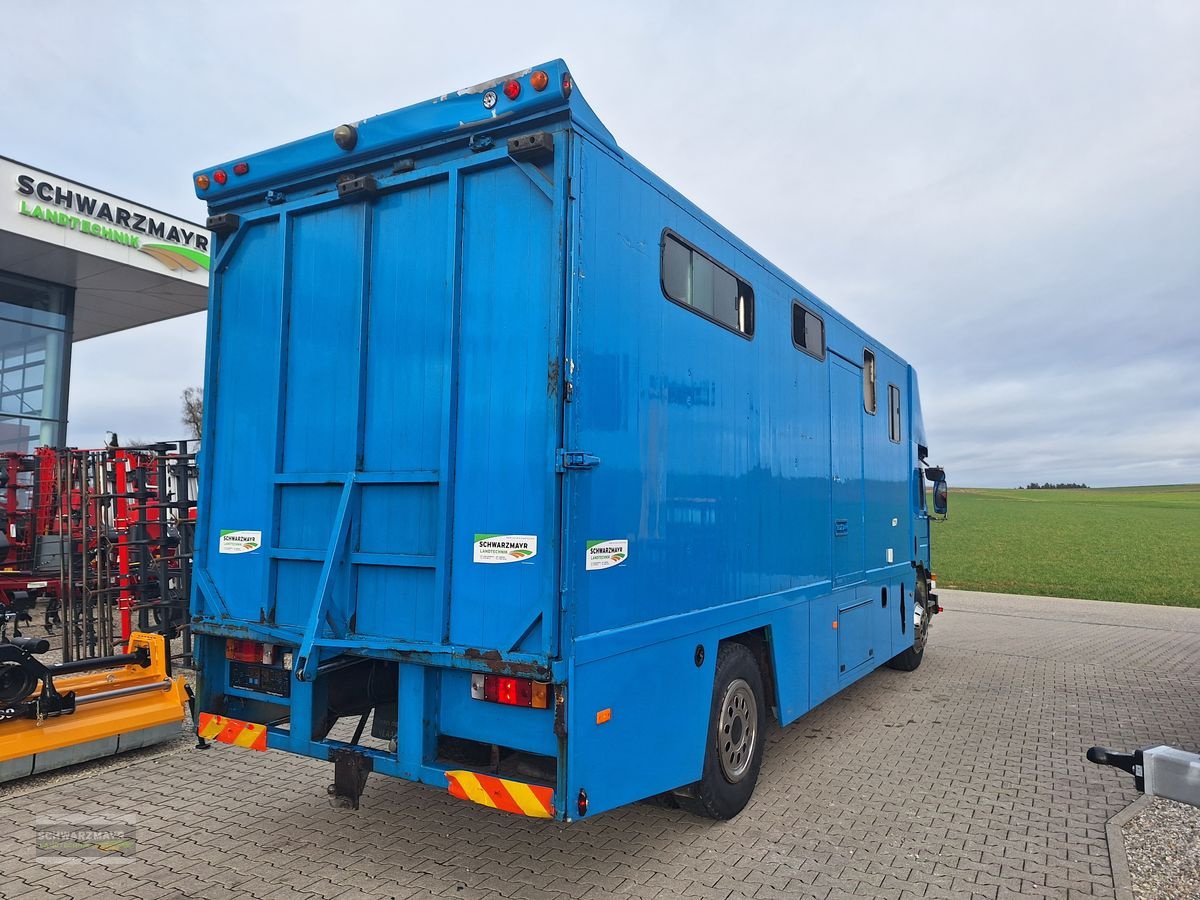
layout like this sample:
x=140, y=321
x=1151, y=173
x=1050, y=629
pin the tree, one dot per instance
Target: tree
x=193, y=410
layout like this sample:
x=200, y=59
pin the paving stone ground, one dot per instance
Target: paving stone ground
x=964, y=779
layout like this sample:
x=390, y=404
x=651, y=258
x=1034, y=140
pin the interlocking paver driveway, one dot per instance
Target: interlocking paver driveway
x=964, y=779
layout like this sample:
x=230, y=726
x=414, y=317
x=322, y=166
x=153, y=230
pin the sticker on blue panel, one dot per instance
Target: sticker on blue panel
x=505, y=548
x=606, y=554
x=239, y=541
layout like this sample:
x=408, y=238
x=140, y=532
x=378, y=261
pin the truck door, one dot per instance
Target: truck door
x=505, y=573
x=388, y=410
x=846, y=456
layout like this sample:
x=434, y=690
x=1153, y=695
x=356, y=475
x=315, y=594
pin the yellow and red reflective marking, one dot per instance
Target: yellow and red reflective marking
x=232, y=731
x=515, y=797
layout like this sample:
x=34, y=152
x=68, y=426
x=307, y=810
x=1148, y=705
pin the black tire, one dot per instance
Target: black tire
x=733, y=752
x=909, y=659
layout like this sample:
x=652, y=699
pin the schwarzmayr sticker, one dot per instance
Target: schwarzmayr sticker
x=504, y=548
x=606, y=554
x=239, y=541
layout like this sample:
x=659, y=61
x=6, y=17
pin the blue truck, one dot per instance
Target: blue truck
x=514, y=453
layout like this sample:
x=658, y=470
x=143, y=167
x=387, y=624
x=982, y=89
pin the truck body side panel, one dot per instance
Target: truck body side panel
x=742, y=473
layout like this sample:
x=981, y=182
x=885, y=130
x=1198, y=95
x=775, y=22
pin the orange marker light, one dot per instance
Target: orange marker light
x=538, y=80
x=835, y=624
x=202, y=182
x=603, y=716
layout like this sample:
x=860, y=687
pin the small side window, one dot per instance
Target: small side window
x=693, y=280
x=808, y=331
x=869, y=402
x=894, y=413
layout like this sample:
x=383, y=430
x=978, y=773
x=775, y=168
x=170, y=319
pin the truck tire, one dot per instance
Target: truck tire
x=909, y=659
x=734, y=746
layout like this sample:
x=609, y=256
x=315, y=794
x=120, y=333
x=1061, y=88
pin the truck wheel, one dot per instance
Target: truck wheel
x=909, y=659
x=734, y=749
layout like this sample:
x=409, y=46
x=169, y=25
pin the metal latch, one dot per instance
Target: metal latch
x=575, y=459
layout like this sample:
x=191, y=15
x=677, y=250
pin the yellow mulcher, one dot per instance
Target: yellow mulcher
x=61, y=714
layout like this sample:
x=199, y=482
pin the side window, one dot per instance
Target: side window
x=894, y=413
x=869, y=403
x=808, y=331
x=693, y=280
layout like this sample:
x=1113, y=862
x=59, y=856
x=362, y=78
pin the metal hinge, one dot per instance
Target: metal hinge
x=575, y=459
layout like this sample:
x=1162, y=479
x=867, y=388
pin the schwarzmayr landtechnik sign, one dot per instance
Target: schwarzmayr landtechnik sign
x=175, y=246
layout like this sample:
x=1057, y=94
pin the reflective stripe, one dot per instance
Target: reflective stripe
x=515, y=797
x=232, y=731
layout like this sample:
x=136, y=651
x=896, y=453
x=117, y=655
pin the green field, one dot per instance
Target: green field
x=1139, y=545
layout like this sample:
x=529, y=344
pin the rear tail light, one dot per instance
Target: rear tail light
x=566, y=84
x=220, y=177
x=243, y=651
x=510, y=691
x=251, y=651
x=512, y=89
x=241, y=168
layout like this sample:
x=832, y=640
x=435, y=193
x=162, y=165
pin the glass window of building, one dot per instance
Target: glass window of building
x=34, y=343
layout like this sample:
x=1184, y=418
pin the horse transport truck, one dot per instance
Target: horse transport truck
x=515, y=454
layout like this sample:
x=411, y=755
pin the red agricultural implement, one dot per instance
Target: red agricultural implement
x=100, y=541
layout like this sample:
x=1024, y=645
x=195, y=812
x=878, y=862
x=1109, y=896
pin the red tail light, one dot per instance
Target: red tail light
x=241, y=168
x=512, y=89
x=510, y=691
x=220, y=176
x=243, y=651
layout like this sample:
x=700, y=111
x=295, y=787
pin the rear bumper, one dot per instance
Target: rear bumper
x=420, y=704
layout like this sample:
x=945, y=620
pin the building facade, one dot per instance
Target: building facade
x=77, y=263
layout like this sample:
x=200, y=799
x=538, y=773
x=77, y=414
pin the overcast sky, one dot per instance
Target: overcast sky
x=1006, y=194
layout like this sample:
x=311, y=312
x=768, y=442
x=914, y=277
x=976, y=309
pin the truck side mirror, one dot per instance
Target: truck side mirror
x=941, y=496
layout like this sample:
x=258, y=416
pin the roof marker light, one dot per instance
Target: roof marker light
x=538, y=80
x=220, y=177
x=512, y=89
x=567, y=84
x=346, y=137
x=202, y=182
x=241, y=168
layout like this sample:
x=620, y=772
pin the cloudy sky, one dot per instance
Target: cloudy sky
x=1007, y=194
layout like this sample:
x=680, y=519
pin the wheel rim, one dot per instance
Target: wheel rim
x=737, y=732
x=921, y=619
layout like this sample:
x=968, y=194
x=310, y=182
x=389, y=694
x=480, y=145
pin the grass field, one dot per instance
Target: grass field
x=1139, y=545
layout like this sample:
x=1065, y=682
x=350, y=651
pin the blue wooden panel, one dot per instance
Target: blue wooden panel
x=408, y=351
x=398, y=602
x=241, y=433
x=508, y=402
x=306, y=516
x=399, y=519
x=295, y=587
x=323, y=353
